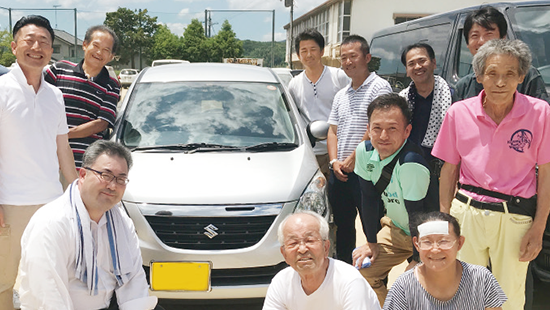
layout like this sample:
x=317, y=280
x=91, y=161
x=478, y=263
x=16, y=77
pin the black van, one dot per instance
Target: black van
x=527, y=21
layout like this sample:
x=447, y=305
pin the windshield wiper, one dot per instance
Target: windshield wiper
x=271, y=146
x=191, y=147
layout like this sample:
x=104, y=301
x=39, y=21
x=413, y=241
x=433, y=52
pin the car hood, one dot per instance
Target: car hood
x=220, y=178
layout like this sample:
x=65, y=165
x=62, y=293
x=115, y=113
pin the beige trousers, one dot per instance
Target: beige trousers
x=16, y=219
x=395, y=247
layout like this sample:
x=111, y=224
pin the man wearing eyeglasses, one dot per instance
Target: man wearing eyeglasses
x=90, y=94
x=313, y=280
x=80, y=249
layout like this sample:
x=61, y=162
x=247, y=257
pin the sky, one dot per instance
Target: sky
x=176, y=14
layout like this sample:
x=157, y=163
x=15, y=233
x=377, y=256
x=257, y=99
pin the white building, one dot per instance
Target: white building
x=336, y=19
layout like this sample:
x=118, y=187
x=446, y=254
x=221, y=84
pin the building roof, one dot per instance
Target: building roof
x=65, y=37
x=314, y=11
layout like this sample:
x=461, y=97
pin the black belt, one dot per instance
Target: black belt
x=493, y=206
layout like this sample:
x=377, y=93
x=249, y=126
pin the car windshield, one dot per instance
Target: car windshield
x=532, y=25
x=224, y=113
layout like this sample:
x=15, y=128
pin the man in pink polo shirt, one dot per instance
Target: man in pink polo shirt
x=492, y=144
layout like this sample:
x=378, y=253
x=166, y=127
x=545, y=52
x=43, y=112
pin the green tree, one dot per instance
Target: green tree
x=255, y=49
x=6, y=56
x=225, y=44
x=194, y=43
x=135, y=29
x=166, y=45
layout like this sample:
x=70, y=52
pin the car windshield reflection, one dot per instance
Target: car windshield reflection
x=224, y=113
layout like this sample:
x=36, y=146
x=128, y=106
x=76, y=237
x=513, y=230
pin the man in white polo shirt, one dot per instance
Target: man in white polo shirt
x=33, y=143
x=313, y=90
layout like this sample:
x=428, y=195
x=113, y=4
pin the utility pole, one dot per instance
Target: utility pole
x=290, y=3
x=75, y=37
x=55, y=7
x=140, y=63
x=206, y=22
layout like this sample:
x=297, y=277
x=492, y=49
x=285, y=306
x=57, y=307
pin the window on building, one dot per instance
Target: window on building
x=318, y=22
x=57, y=49
x=72, y=52
x=344, y=19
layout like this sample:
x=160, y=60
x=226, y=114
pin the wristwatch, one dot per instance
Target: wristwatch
x=330, y=163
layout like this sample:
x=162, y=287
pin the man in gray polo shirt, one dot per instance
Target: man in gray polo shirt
x=348, y=124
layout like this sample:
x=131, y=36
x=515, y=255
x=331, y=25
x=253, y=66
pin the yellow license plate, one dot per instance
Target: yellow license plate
x=180, y=276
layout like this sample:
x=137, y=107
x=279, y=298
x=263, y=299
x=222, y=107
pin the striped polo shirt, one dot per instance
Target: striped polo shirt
x=478, y=290
x=85, y=100
x=349, y=112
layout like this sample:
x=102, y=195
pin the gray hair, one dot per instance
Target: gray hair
x=323, y=225
x=102, y=28
x=109, y=148
x=514, y=48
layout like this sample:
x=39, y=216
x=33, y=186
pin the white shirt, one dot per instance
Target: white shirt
x=314, y=100
x=29, y=125
x=344, y=288
x=349, y=112
x=47, y=266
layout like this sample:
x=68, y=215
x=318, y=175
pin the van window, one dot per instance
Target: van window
x=532, y=26
x=386, y=52
x=465, y=58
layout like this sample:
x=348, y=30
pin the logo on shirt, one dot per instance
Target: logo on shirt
x=520, y=140
x=370, y=167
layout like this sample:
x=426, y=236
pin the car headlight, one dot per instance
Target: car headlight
x=314, y=198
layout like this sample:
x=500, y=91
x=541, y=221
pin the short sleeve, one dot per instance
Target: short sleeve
x=493, y=294
x=62, y=127
x=361, y=159
x=445, y=147
x=343, y=79
x=333, y=117
x=396, y=298
x=415, y=180
x=360, y=296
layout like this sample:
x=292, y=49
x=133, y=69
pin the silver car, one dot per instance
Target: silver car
x=221, y=156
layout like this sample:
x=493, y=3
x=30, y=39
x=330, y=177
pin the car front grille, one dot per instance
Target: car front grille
x=210, y=233
x=240, y=276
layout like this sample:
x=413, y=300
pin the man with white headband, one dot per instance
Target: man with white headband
x=394, y=177
x=449, y=283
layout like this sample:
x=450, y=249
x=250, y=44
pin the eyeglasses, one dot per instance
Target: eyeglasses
x=294, y=244
x=443, y=244
x=109, y=177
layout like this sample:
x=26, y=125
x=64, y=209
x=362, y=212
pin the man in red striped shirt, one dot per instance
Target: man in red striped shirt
x=90, y=94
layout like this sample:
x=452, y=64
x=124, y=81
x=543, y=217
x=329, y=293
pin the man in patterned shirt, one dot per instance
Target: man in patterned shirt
x=429, y=98
x=90, y=94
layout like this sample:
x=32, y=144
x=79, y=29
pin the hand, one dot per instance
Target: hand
x=368, y=250
x=531, y=244
x=337, y=168
x=349, y=164
x=2, y=224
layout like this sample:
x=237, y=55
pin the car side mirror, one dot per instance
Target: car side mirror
x=317, y=131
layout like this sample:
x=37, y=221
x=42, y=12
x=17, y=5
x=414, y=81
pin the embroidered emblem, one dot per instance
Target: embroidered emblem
x=520, y=140
x=370, y=167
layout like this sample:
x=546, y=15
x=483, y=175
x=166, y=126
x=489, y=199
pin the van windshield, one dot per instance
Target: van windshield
x=532, y=26
x=225, y=113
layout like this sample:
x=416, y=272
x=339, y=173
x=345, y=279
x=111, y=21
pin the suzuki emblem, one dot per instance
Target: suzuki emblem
x=211, y=231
